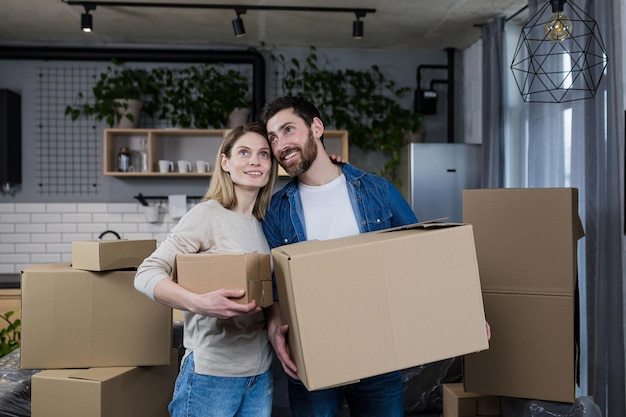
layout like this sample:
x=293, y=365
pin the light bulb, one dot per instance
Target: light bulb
x=559, y=27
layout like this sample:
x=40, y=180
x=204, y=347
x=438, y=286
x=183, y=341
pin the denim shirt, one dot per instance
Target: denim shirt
x=376, y=202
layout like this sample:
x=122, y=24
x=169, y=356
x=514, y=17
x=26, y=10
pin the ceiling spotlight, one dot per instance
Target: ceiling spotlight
x=357, y=25
x=86, y=20
x=238, y=26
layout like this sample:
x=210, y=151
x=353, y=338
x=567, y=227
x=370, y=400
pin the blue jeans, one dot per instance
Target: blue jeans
x=197, y=395
x=378, y=396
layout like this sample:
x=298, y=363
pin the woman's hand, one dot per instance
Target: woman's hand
x=220, y=304
x=337, y=159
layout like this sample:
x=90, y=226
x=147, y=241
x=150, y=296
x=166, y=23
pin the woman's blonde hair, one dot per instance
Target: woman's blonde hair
x=222, y=188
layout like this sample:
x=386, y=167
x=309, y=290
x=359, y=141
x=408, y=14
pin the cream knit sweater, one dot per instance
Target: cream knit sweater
x=222, y=347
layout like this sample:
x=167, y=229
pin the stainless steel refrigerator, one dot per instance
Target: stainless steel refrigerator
x=433, y=176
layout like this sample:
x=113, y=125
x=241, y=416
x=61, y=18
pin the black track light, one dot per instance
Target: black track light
x=357, y=29
x=86, y=20
x=357, y=25
x=238, y=26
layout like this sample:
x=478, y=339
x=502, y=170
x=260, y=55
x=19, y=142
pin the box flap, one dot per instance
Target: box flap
x=99, y=374
x=318, y=246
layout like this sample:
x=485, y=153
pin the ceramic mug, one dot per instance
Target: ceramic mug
x=166, y=166
x=184, y=166
x=151, y=213
x=203, y=166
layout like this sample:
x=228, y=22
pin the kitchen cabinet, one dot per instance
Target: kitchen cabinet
x=181, y=144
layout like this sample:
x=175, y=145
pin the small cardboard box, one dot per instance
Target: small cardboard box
x=104, y=392
x=205, y=272
x=106, y=255
x=459, y=403
x=81, y=319
x=526, y=243
x=378, y=302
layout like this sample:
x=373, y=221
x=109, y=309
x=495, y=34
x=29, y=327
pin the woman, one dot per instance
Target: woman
x=226, y=367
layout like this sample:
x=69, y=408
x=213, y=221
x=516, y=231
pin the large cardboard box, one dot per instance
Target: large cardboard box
x=81, y=319
x=104, y=392
x=205, y=272
x=526, y=243
x=106, y=255
x=459, y=403
x=382, y=301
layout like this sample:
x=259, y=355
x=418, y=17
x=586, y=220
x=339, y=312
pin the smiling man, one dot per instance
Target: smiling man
x=325, y=200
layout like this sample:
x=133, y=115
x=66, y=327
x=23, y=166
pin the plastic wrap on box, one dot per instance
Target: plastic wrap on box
x=518, y=407
x=15, y=386
x=422, y=385
x=177, y=339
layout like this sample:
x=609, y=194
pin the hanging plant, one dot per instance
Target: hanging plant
x=112, y=90
x=363, y=102
x=202, y=97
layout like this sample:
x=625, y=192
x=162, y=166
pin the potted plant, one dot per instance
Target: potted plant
x=116, y=92
x=10, y=336
x=364, y=102
x=204, y=96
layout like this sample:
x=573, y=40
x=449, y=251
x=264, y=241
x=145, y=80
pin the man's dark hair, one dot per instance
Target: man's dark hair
x=301, y=107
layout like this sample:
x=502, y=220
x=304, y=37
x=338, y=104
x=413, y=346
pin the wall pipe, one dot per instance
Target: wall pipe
x=450, y=81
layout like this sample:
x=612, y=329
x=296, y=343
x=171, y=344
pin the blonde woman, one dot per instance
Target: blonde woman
x=226, y=367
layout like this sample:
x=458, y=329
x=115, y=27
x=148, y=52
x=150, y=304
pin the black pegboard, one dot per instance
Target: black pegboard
x=68, y=153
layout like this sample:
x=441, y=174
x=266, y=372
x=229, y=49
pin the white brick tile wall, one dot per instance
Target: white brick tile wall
x=61, y=228
x=7, y=248
x=30, y=228
x=43, y=232
x=30, y=208
x=61, y=207
x=7, y=228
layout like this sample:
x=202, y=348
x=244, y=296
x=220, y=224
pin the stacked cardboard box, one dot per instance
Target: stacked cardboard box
x=378, y=302
x=95, y=336
x=526, y=243
x=459, y=403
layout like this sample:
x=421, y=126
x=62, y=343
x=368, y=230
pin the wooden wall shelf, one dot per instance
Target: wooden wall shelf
x=183, y=144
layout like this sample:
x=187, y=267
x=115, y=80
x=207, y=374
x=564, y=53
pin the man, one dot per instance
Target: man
x=325, y=200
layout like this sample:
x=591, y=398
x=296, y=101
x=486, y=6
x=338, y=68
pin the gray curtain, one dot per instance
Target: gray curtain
x=493, y=98
x=592, y=162
x=604, y=207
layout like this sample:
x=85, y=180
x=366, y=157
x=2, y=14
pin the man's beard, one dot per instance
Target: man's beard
x=307, y=155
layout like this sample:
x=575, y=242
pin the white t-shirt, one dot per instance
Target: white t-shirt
x=328, y=211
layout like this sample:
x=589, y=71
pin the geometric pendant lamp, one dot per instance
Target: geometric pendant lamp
x=560, y=55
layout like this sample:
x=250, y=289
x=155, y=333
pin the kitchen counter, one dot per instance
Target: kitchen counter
x=10, y=280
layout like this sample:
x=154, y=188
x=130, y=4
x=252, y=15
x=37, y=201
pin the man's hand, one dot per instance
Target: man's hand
x=277, y=335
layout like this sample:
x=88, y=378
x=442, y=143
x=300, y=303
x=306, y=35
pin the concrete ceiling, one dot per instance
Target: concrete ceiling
x=397, y=24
